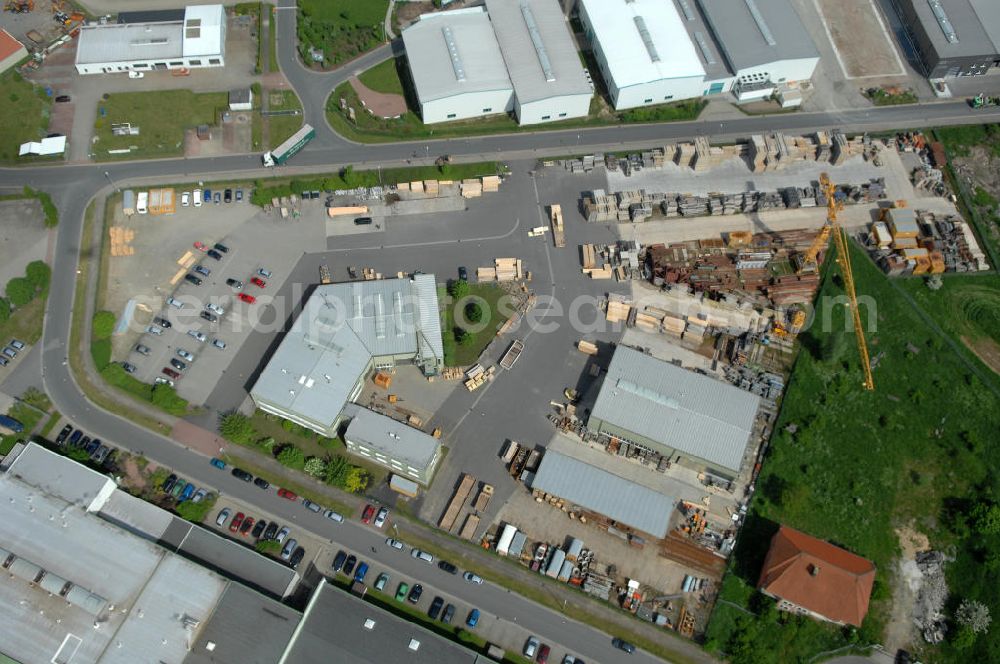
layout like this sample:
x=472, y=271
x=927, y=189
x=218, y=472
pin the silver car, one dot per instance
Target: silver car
x=219, y=343
x=288, y=549
x=155, y=329
x=185, y=355
x=216, y=309
x=175, y=303
x=200, y=336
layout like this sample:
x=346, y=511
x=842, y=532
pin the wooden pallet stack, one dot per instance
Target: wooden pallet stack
x=472, y=188
x=121, y=239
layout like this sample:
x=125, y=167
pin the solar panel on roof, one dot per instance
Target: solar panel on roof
x=761, y=23
x=536, y=39
x=647, y=39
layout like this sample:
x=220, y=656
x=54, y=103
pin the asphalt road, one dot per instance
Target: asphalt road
x=73, y=186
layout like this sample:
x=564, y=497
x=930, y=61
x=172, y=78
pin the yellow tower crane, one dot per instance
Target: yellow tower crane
x=833, y=206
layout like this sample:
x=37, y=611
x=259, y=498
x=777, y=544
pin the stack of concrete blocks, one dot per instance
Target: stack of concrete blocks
x=823, y=146
x=840, y=150
x=654, y=158
x=757, y=153
x=685, y=155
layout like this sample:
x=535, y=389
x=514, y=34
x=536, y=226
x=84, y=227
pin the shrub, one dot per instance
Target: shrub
x=166, y=397
x=20, y=291
x=458, y=288
x=196, y=512
x=315, y=466
x=103, y=325
x=35, y=397
x=462, y=337
x=473, y=312
x=356, y=480
x=292, y=457
x=4, y=309
x=336, y=470
x=238, y=428
x=39, y=274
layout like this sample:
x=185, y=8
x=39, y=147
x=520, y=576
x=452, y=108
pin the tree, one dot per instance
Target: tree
x=473, y=312
x=315, y=466
x=458, y=288
x=974, y=615
x=39, y=273
x=356, y=480
x=292, y=457
x=4, y=309
x=462, y=337
x=196, y=512
x=237, y=427
x=350, y=178
x=103, y=325
x=336, y=470
x=20, y=291
x=35, y=397
x=985, y=519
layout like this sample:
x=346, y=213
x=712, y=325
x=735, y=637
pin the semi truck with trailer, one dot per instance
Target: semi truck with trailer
x=279, y=155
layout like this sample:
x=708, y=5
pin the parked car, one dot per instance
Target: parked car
x=62, y=99
x=214, y=254
x=198, y=496
x=334, y=516
x=394, y=543
x=531, y=647
x=218, y=463
x=366, y=516
x=223, y=517
x=141, y=349
x=401, y=591
x=200, y=336
x=16, y=344
x=215, y=309
x=435, y=609
x=241, y=474
x=447, y=567
x=473, y=618
x=339, y=560
x=228, y=196
x=208, y=195
x=167, y=371
x=245, y=297
x=4, y=361
x=219, y=343
x=270, y=531
x=363, y=221
x=162, y=322
x=381, y=516
x=234, y=283
x=178, y=489
x=463, y=274
x=380, y=582
x=185, y=196
x=75, y=437
x=175, y=303
x=9, y=352
x=128, y=367
x=543, y=654
x=262, y=483
x=186, y=493
x=160, y=380
x=92, y=446
x=297, y=556
x=473, y=578
x=239, y=195
x=623, y=645
x=311, y=506
x=449, y=613
x=349, y=565
x=196, y=196
x=136, y=74
x=285, y=493
x=64, y=434
x=258, y=529
x=190, y=278
x=286, y=551
x=247, y=526
x=217, y=198
x=264, y=272
x=282, y=534
x=415, y=592
x=210, y=317
x=362, y=571
x=177, y=364
x=202, y=270
x=185, y=354
x=258, y=282
x=422, y=555
x=168, y=483
x=152, y=329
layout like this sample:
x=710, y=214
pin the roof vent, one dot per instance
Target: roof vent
x=814, y=570
x=942, y=18
x=456, y=60
x=414, y=645
x=647, y=39
x=686, y=8
x=369, y=624
x=761, y=23
x=536, y=39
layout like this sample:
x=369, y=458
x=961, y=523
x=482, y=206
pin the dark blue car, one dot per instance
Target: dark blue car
x=359, y=575
x=186, y=493
x=218, y=463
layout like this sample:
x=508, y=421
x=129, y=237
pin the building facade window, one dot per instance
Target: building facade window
x=487, y=110
x=214, y=61
x=648, y=101
x=668, y=98
x=562, y=115
x=451, y=115
x=546, y=117
x=195, y=63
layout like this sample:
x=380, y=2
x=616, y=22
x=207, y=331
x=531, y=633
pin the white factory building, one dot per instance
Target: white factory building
x=511, y=56
x=657, y=51
x=186, y=39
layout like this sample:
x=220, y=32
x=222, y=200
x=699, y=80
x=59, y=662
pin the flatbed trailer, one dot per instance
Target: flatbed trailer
x=512, y=354
x=457, y=501
x=483, y=499
x=469, y=527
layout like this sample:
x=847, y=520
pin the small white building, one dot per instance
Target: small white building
x=198, y=40
x=456, y=66
x=241, y=99
x=550, y=83
x=643, y=51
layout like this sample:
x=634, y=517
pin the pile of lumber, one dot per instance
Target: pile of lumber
x=619, y=308
x=480, y=379
x=491, y=183
x=472, y=188
x=121, y=239
x=503, y=269
x=586, y=347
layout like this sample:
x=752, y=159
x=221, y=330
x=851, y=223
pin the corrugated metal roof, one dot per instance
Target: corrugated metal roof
x=976, y=25
x=758, y=32
x=629, y=59
x=341, y=328
x=599, y=491
x=697, y=415
x=542, y=62
x=393, y=438
x=127, y=42
x=454, y=52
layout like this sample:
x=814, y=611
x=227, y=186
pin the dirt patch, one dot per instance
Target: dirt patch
x=986, y=349
x=135, y=477
x=860, y=39
x=380, y=104
x=900, y=631
x=981, y=169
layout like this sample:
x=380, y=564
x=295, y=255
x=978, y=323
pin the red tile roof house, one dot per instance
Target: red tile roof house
x=815, y=578
x=11, y=51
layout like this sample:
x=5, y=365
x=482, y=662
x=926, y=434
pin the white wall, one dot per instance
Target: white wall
x=149, y=65
x=553, y=109
x=470, y=105
x=663, y=91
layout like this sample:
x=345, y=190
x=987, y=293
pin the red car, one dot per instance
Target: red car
x=200, y=246
x=237, y=522
x=171, y=372
x=249, y=299
x=258, y=282
x=366, y=516
x=285, y=493
x=543, y=654
x=247, y=525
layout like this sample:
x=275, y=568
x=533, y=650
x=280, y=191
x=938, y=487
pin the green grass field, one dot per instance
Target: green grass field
x=25, y=110
x=162, y=118
x=494, y=315
x=342, y=29
x=383, y=78
x=280, y=127
x=918, y=452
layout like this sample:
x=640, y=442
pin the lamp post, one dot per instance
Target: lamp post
x=112, y=182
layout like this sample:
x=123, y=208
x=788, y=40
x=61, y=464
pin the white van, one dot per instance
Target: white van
x=196, y=197
x=142, y=202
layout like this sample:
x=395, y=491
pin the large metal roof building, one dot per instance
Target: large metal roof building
x=953, y=37
x=680, y=414
x=198, y=40
x=456, y=66
x=343, y=332
x=597, y=490
x=542, y=60
x=756, y=33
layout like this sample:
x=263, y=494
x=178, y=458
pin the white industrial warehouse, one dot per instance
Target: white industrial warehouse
x=511, y=56
x=650, y=53
x=186, y=39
